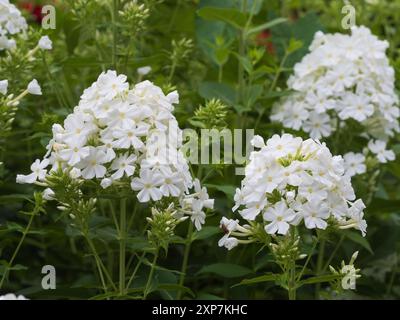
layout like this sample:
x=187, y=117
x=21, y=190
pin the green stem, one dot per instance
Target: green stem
x=114, y=23
x=185, y=259
x=307, y=261
x=333, y=253
x=150, y=278
x=320, y=260
x=122, y=246
x=136, y=270
x=220, y=72
x=26, y=231
x=292, y=282
x=98, y=263
x=172, y=72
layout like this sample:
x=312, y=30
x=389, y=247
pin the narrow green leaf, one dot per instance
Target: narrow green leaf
x=266, y=26
x=225, y=270
x=264, y=278
x=228, y=15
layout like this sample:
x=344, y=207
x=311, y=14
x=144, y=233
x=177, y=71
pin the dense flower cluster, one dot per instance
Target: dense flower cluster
x=11, y=22
x=117, y=134
x=12, y=296
x=343, y=77
x=289, y=181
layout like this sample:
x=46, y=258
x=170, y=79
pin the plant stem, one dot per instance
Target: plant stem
x=320, y=260
x=185, y=259
x=114, y=23
x=150, y=278
x=292, y=282
x=333, y=253
x=18, y=246
x=122, y=246
x=136, y=270
x=98, y=263
x=172, y=72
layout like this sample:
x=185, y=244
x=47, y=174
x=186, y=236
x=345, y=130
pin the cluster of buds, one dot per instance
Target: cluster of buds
x=162, y=224
x=347, y=273
x=135, y=15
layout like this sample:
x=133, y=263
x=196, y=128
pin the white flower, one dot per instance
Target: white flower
x=279, y=215
x=38, y=172
x=34, y=88
x=92, y=165
x=144, y=70
x=228, y=242
x=124, y=164
x=12, y=296
x=3, y=86
x=343, y=76
x=198, y=216
x=48, y=194
x=106, y=182
x=315, y=213
x=45, y=43
x=306, y=182
x=354, y=163
x=228, y=225
x=378, y=147
x=147, y=185
x=117, y=133
x=74, y=152
x=11, y=23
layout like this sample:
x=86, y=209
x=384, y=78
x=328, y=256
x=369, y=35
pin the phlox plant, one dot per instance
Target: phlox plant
x=111, y=154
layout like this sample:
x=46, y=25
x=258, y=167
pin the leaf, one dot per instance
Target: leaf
x=264, y=278
x=358, y=238
x=266, y=26
x=228, y=15
x=225, y=270
x=175, y=287
x=222, y=91
x=320, y=279
x=245, y=62
x=227, y=189
x=206, y=232
x=253, y=93
x=380, y=205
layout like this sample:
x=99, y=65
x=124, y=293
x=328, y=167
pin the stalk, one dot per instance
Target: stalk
x=149, y=280
x=185, y=259
x=122, y=247
x=26, y=231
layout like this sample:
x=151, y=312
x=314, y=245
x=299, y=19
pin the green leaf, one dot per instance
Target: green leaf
x=206, y=232
x=266, y=26
x=228, y=15
x=358, y=238
x=175, y=287
x=222, y=91
x=227, y=189
x=320, y=279
x=225, y=270
x=264, y=278
x=253, y=93
x=245, y=62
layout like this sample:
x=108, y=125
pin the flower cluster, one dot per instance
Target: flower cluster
x=343, y=77
x=117, y=135
x=12, y=296
x=290, y=180
x=11, y=23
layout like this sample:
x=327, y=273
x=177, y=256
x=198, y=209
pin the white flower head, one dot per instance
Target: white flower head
x=3, y=87
x=144, y=70
x=45, y=43
x=34, y=88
